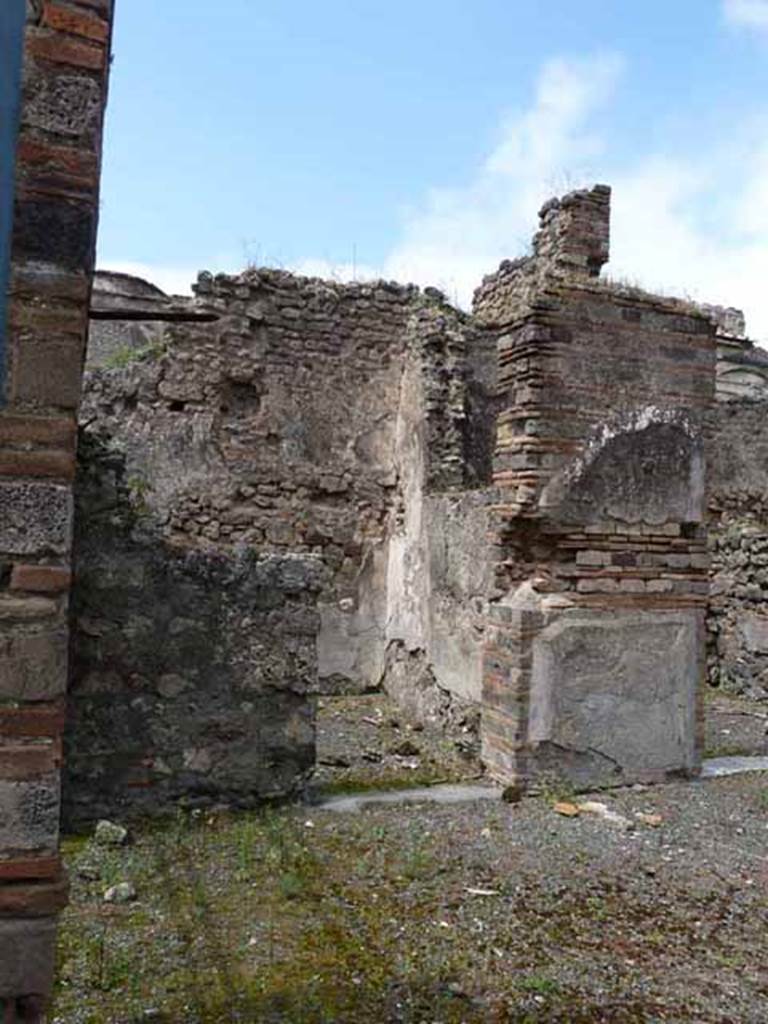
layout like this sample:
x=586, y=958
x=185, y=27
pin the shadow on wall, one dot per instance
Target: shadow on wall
x=190, y=669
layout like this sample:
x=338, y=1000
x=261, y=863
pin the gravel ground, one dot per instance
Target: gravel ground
x=428, y=914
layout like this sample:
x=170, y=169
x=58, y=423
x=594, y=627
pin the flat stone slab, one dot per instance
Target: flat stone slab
x=442, y=794
x=449, y=793
x=715, y=767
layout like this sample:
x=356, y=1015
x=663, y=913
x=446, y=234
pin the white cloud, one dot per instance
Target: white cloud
x=676, y=228
x=463, y=233
x=747, y=13
x=677, y=231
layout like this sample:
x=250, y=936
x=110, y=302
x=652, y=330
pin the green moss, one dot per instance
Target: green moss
x=306, y=918
x=386, y=780
x=127, y=355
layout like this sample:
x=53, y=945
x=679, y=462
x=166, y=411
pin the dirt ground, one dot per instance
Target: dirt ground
x=655, y=909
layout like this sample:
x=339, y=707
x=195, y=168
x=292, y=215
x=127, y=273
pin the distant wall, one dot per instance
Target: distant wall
x=737, y=620
x=113, y=342
x=308, y=425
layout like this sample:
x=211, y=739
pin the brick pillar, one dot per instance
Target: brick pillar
x=66, y=49
x=594, y=653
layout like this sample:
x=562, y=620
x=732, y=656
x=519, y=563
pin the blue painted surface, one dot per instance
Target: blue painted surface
x=12, y=17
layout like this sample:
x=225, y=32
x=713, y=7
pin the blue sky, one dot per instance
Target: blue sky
x=417, y=140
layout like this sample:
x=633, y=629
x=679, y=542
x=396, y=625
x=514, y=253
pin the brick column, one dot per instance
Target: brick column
x=594, y=652
x=65, y=63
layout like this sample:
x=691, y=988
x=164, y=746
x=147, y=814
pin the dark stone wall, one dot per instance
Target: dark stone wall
x=737, y=619
x=191, y=669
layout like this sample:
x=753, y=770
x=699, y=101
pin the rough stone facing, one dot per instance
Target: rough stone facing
x=192, y=667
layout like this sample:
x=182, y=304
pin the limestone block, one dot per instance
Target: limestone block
x=33, y=666
x=53, y=231
x=27, y=960
x=614, y=698
x=755, y=630
x=29, y=813
x=35, y=518
x=65, y=104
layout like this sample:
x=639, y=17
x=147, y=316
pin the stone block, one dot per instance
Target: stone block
x=33, y=667
x=63, y=104
x=55, y=231
x=755, y=631
x=59, y=386
x=592, y=558
x=35, y=518
x=23, y=608
x=613, y=698
x=29, y=814
x=27, y=962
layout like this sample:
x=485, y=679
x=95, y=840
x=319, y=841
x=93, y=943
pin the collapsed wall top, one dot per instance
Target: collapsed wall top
x=573, y=239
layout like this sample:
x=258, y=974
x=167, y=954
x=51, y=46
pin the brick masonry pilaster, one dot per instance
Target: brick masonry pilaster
x=601, y=533
x=58, y=153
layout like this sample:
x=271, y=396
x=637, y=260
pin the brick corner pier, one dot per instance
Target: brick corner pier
x=54, y=64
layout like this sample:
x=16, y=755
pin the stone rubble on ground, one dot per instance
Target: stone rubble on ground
x=108, y=833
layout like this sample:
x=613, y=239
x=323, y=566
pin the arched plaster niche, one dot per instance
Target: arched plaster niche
x=644, y=466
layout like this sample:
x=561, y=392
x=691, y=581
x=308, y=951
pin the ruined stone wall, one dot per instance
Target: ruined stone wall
x=439, y=559
x=120, y=338
x=57, y=162
x=594, y=644
x=737, y=621
x=309, y=423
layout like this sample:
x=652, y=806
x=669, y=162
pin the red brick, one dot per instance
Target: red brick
x=32, y=152
x=103, y=6
x=54, y=47
x=25, y=868
x=48, y=284
x=20, y=763
x=54, y=431
x=33, y=899
x=41, y=579
x=28, y=722
x=57, y=465
x=45, y=321
x=64, y=19
x=45, y=170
